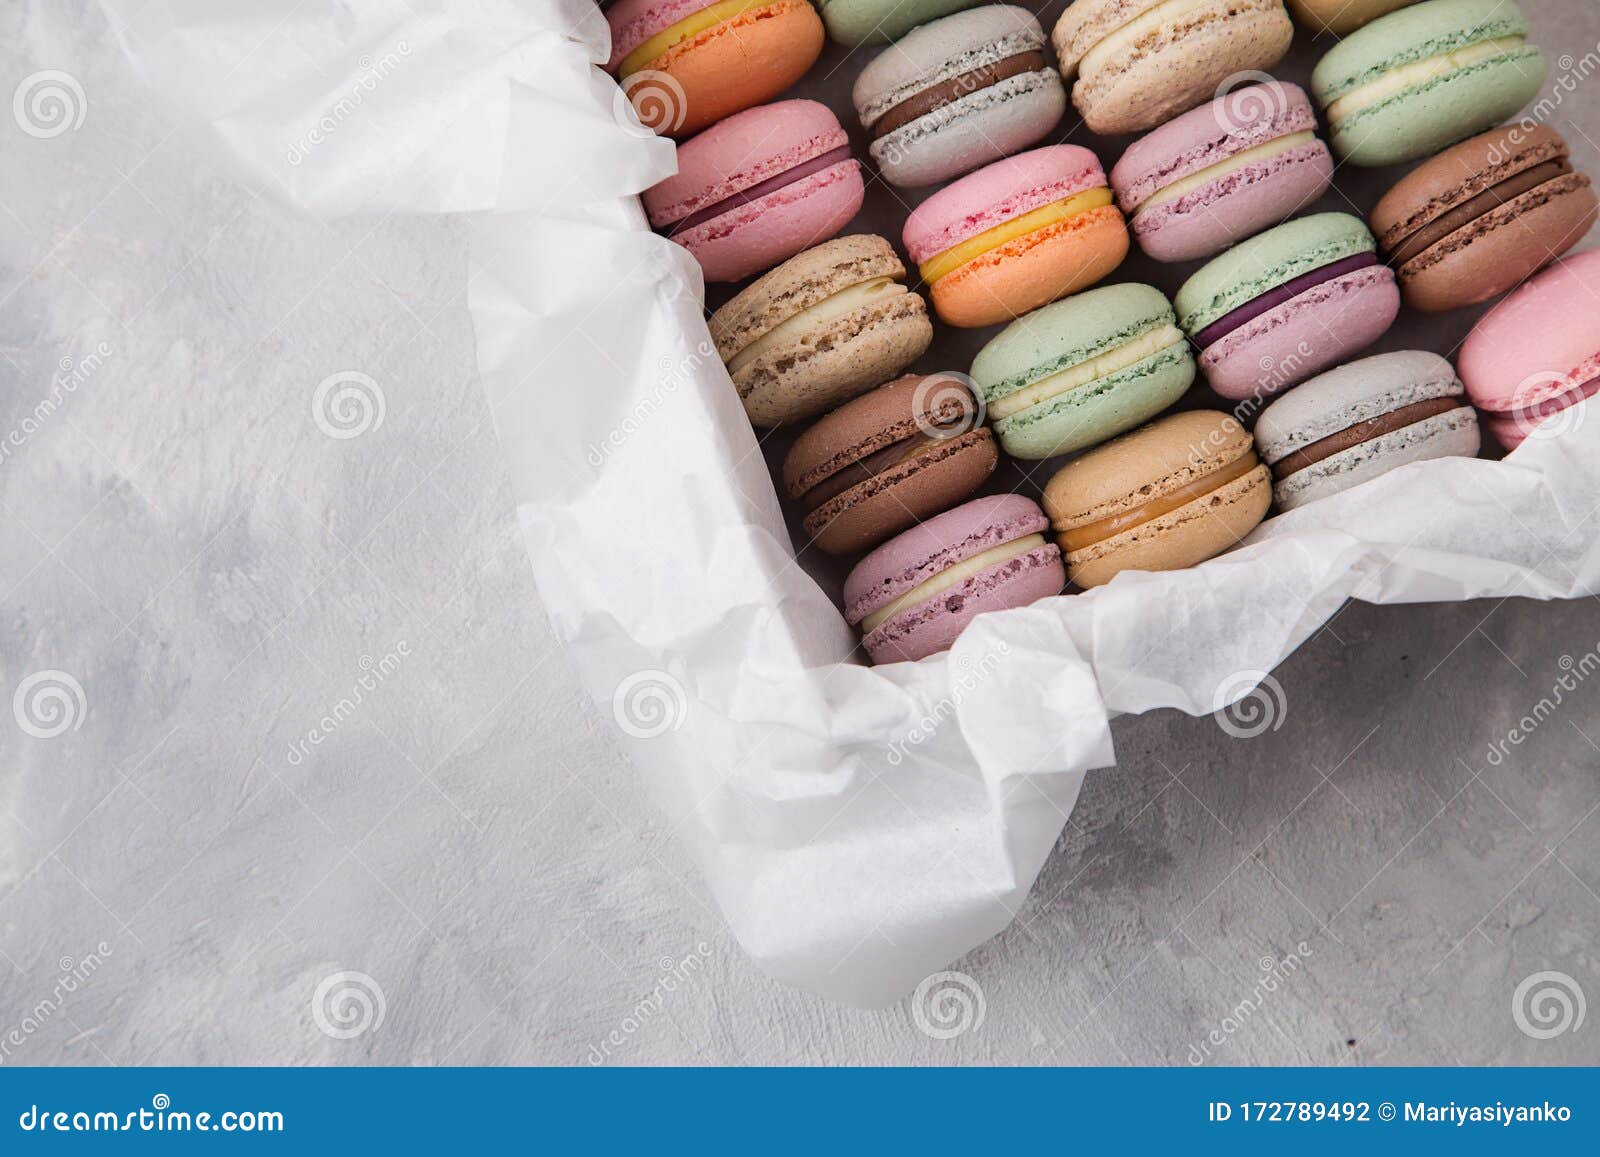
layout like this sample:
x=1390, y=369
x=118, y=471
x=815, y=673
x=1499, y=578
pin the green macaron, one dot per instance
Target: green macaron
x=856, y=22
x=1080, y=371
x=1417, y=80
x=1266, y=261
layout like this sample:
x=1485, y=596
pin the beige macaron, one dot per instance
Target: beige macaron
x=1166, y=496
x=826, y=325
x=1139, y=63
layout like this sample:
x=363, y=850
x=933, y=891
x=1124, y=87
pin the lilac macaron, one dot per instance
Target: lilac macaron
x=1286, y=304
x=757, y=188
x=912, y=596
x=1223, y=172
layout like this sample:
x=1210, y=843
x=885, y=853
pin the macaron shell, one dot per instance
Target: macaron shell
x=1185, y=537
x=1033, y=270
x=897, y=499
x=1540, y=342
x=931, y=627
x=858, y=22
x=1319, y=328
x=1183, y=66
x=982, y=126
x=739, y=153
x=1092, y=414
x=1152, y=461
x=1235, y=206
x=823, y=367
x=1556, y=415
x=1451, y=434
x=912, y=558
x=1242, y=119
x=1503, y=248
x=758, y=235
x=1341, y=16
x=1353, y=393
x=729, y=67
x=1421, y=122
x=997, y=193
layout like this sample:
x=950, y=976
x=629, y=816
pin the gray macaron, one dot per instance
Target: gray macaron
x=958, y=93
x=1361, y=420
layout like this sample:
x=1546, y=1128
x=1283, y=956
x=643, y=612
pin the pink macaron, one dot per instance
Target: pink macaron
x=759, y=187
x=1016, y=235
x=1536, y=355
x=913, y=595
x=1223, y=172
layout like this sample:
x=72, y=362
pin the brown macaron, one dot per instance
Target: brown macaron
x=1168, y=495
x=889, y=459
x=1483, y=216
x=826, y=325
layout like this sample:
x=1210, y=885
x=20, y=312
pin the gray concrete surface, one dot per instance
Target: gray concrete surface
x=186, y=878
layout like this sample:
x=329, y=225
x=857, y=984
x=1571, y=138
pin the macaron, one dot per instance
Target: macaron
x=1075, y=373
x=1169, y=495
x=887, y=460
x=1341, y=16
x=686, y=64
x=1275, y=309
x=1362, y=420
x=958, y=93
x=1016, y=234
x=912, y=596
x=858, y=22
x=1416, y=80
x=826, y=325
x=1483, y=216
x=1536, y=354
x=1222, y=172
x=759, y=187
x=1139, y=63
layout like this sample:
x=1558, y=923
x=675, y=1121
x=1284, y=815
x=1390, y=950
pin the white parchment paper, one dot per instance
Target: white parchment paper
x=859, y=827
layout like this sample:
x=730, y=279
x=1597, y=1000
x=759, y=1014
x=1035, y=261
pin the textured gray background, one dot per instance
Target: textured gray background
x=216, y=573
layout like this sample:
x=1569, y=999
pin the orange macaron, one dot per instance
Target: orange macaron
x=686, y=64
x=1016, y=235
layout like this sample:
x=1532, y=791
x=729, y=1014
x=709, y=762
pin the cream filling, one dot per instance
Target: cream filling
x=1186, y=185
x=955, y=576
x=824, y=312
x=1142, y=25
x=1419, y=72
x=1073, y=377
